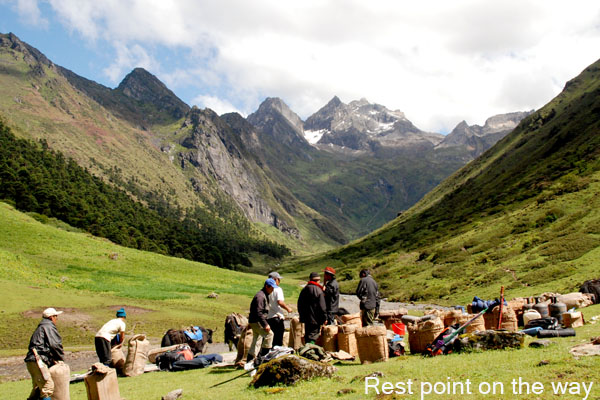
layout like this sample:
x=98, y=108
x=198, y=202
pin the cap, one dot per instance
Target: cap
x=121, y=313
x=314, y=275
x=275, y=275
x=50, y=312
x=329, y=270
x=271, y=282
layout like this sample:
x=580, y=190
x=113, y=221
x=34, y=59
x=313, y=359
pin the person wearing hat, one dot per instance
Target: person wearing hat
x=368, y=293
x=275, y=316
x=311, y=307
x=47, y=343
x=259, y=308
x=332, y=295
x=110, y=335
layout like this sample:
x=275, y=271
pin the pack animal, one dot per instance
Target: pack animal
x=195, y=337
x=234, y=325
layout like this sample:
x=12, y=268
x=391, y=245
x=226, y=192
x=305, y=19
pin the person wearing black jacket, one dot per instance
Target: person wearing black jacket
x=46, y=341
x=312, y=309
x=368, y=293
x=259, y=308
x=332, y=295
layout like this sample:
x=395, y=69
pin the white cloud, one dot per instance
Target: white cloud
x=438, y=61
x=216, y=104
x=30, y=13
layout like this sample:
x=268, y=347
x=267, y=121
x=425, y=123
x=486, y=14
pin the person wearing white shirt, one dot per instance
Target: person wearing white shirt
x=111, y=334
x=275, y=316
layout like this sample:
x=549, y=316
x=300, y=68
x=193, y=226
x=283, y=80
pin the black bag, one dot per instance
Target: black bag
x=395, y=349
x=166, y=360
x=544, y=323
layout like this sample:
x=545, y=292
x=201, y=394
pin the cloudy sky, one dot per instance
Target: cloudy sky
x=439, y=62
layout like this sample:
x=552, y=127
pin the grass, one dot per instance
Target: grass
x=43, y=266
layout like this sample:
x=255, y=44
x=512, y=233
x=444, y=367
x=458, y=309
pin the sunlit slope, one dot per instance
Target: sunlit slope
x=524, y=214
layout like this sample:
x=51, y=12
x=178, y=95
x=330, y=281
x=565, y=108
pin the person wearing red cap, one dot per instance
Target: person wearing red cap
x=332, y=295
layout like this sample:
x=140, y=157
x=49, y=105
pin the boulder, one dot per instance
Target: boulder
x=289, y=370
x=489, y=340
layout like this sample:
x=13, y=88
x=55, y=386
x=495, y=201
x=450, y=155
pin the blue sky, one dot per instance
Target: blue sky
x=439, y=62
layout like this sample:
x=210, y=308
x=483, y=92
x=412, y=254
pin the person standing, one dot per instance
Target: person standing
x=332, y=295
x=368, y=294
x=312, y=309
x=47, y=343
x=259, y=308
x=275, y=317
x=110, y=335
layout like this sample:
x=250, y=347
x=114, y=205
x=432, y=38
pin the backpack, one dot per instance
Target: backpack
x=437, y=347
x=544, y=323
x=166, y=360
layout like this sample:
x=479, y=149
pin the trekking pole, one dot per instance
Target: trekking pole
x=501, y=306
x=232, y=379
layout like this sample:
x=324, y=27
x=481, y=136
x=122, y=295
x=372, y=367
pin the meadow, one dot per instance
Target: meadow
x=50, y=264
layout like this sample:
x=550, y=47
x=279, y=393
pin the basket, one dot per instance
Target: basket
x=424, y=333
x=347, y=339
x=372, y=344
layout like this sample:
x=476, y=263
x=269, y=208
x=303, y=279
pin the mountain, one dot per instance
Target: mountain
x=476, y=139
x=361, y=127
x=525, y=214
x=140, y=137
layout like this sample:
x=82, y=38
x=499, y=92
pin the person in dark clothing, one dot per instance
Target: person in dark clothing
x=259, y=308
x=368, y=294
x=332, y=295
x=312, y=309
x=47, y=343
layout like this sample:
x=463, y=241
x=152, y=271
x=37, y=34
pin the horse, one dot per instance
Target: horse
x=195, y=337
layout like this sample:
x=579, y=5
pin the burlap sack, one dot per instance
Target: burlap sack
x=61, y=375
x=509, y=319
x=423, y=333
x=329, y=333
x=117, y=357
x=296, y=334
x=477, y=325
x=577, y=300
x=451, y=317
x=347, y=339
x=137, y=355
x=352, y=319
x=372, y=344
x=243, y=346
x=102, y=384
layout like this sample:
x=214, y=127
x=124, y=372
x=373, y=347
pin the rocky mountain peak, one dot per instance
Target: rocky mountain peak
x=142, y=86
x=31, y=55
x=273, y=112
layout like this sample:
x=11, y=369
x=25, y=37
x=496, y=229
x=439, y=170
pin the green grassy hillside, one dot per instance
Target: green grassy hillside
x=524, y=214
x=48, y=265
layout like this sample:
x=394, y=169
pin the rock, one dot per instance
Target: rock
x=289, y=370
x=173, y=395
x=489, y=340
x=543, y=362
x=213, y=295
x=584, y=350
x=345, y=391
x=540, y=343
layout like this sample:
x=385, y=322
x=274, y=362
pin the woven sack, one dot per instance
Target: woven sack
x=243, y=345
x=372, y=344
x=117, y=357
x=451, y=317
x=572, y=319
x=352, y=319
x=102, y=384
x=509, y=319
x=296, y=334
x=329, y=333
x=423, y=333
x=477, y=325
x=61, y=375
x=137, y=355
x=347, y=339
